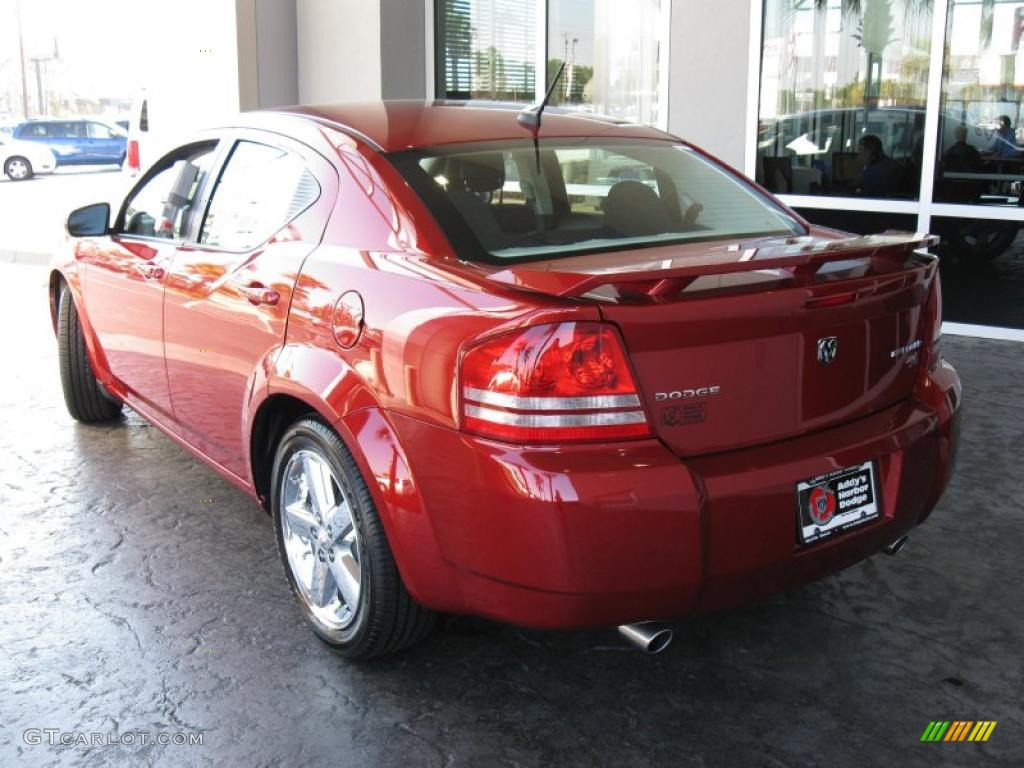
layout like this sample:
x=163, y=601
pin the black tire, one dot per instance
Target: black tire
x=978, y=242
x=18, y=168
x=85, y=399
x=387, y=619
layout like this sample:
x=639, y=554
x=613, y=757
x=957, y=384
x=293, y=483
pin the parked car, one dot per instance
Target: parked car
x=454, y=390
x=76, y=142
x=22, y=160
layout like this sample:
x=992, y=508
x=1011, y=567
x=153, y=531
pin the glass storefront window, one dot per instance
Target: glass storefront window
x=843, y=91
x=612, y=51
x=979, y=157
x=486, y=49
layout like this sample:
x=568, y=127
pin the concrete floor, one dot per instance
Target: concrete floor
x=139, y=592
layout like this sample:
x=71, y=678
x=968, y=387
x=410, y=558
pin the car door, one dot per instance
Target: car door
x=104, y=146
x=126, y=272
x=71, y=136
x=228, y=292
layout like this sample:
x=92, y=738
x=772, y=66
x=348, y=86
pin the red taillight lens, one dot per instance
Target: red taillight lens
x=132, y=158
x=551, y=383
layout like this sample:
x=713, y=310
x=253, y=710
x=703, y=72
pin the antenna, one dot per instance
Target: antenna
x=530, y=117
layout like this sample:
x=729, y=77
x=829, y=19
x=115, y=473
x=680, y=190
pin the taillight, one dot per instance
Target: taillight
x=551, y=383
x=132, y=158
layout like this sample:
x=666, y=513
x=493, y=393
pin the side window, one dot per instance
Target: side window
x=163, y=206
x=70, y=130
x=261, y=189
x=37, y=130
x=99, y=131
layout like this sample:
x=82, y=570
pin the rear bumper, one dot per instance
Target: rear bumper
x=586, y=535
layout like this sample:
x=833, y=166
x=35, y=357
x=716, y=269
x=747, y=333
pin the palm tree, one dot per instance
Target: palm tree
x=854, y=9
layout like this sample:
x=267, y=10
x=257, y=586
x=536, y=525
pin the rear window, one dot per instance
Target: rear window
x=507, y=202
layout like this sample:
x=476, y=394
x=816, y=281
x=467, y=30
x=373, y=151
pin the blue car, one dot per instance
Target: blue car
x=77, y=142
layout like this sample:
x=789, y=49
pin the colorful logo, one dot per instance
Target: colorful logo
x=821, y=504
x=958, y=730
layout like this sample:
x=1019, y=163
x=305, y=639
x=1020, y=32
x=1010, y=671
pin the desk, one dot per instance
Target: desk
x=972, y=176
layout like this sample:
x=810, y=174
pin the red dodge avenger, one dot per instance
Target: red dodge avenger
x=559, y=373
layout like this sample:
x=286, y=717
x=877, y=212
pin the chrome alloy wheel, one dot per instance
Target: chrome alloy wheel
x=320, y=539
x=17, y=169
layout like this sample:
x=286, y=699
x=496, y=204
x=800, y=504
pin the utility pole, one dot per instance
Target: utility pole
x=21, y=60
x=39, y=83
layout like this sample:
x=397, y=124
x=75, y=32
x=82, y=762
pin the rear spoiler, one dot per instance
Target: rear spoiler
x=801, y=256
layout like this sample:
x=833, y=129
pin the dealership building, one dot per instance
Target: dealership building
x=783, y=90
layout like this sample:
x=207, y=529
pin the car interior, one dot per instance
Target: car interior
x=521, y=198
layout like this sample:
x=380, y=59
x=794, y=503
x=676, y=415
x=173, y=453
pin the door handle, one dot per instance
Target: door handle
x=152, y=271
x=259, y=294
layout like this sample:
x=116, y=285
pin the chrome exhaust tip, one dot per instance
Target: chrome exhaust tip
x=896, y=546
x=649, y=636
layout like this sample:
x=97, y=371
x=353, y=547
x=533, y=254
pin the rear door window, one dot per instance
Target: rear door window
x=260, y=190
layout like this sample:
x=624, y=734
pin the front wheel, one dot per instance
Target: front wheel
x=335, y=553
x=18, y=168
x=84, y=397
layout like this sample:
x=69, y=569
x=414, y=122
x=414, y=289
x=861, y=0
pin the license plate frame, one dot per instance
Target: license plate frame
x=833, y=503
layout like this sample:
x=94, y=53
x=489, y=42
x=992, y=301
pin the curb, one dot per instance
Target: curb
x=25, y=257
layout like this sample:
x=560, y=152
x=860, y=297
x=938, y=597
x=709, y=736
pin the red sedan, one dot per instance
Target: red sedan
x=561, y=376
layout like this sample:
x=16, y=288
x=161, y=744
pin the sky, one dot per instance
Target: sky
x=114, y=48
x=91, y=36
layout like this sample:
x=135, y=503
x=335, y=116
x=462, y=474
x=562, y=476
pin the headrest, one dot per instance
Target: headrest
x=633, y=209
x=478, y=173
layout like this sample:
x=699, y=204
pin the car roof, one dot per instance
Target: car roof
x=38, y=120
x=396, y=125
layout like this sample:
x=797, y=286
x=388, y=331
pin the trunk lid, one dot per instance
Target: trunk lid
x=744, y=344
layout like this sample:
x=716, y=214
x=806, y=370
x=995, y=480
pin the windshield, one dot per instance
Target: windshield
x=506, y=202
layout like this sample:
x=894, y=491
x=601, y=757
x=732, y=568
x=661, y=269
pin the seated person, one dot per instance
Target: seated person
x=1004, y=143
x=879, y=175
x=962, y=156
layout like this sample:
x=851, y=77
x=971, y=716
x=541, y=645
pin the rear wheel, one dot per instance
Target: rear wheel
x=85, y=399
x=18, y=168
x=980, y=241
x=332, y=543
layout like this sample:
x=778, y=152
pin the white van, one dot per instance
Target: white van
x=157, y=125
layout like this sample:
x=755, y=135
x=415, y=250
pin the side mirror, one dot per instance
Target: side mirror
x=89, y=221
